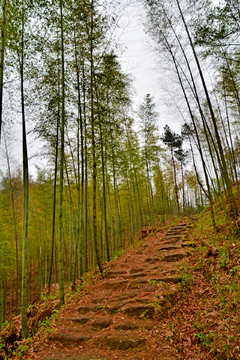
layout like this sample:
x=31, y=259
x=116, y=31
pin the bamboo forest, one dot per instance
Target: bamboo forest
x=110, y=171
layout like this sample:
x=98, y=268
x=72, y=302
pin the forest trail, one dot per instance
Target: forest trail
x=124, y=315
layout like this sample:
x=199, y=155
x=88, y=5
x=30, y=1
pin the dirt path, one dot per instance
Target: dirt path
x=119, y=317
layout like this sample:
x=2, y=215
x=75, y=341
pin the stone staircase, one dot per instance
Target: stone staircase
x=119, y=317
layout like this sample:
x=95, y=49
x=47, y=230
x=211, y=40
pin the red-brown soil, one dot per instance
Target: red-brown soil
x=124, y=314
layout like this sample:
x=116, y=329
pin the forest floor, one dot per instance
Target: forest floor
x=176, y=295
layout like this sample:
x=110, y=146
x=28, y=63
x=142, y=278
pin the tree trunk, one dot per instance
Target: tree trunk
x=14, y=222
x=175, y=182
x=223, y=162
x=60, y=235
x=2, y=49
x=94, y=175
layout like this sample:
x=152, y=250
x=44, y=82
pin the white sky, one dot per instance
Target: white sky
x=139, y=59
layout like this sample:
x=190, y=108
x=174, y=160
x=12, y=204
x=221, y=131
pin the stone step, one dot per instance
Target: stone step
x=151, y=288
x=137, y=283
x=135, y=275
x=169, y=295
x=178, y=230
x=169, y=247
x=151, y=300
x=174, y=255
x=142, y=311
x=123, y=342
x=188, y=243
x=117, y=305
x=159, y=273
x=193, y=218
x=64, y=337
x=174, y=234
x=172, y=237
x=152, y=259
x=126, y=295
x=102, y=323
x=114, y=273
x=97, y=300
x=87, y=308
x=168, y=279
x=114, y=284
x=132, y=325
x=136, y=270
x=171, y=241
x=166, y=268
x=84, y=319
x=179, y=226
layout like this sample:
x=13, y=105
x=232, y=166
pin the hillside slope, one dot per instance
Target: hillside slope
x=174, y=296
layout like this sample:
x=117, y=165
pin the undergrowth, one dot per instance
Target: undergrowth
x=209, y=297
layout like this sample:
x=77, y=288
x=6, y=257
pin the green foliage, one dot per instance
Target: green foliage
x=152, y=282
x=204, y=339
x=224, y=259
x=186, y=282
x=46, y=323
x=22, y=347
x=171, y=139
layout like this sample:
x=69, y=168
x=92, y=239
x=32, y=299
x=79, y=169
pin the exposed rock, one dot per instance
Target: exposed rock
x=176, y=232
x=68, y=337
x=123, y=342
x=169, y=279
x=126, y=325
x=151, y=288
x=136, y=270
x=193, y=218
x=86, y=308
x=188, y=244
x=174, y=256
x=102, y=323
x=169, y=247
x=97, y=300
x=113, y=308
x=133, y=276
x=168, y=267
x=149, y=259
x=81, y=319
x=137, y=283
x=173, y=237
x=114, y=273
x=126, y=295
x=140, y=311
x=179, y=227
x=114, y=284
x=131, y=325
x=170, y=240
x=150, y=300
x=212, y=251
x=169, y=295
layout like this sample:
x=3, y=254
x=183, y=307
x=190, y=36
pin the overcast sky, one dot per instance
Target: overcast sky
x=139, y=59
